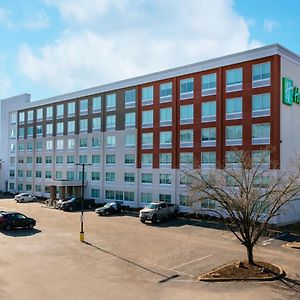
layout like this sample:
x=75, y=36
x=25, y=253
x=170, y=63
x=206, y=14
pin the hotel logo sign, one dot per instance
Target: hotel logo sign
x=290, y=93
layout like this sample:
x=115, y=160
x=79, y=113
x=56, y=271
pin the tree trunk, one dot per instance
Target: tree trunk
x=250, y=254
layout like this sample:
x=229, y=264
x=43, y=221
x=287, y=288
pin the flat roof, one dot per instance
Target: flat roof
x=226, y=60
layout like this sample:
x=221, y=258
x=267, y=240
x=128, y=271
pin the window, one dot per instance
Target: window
x=262, y=182
x=21, y=132
x=28, y=187
x=70, y=175
x=234, y=108
x=165, y=159
x=147, y=95
x=60, y=111
x=147, y=140
x=95, y=193
x=20, y=187
x=83, y=106
x=130, y=120
x=128, y=196
x=96, y=104
x=28, y=173
x=110, y=102
x=185, y=179
x=49, y=145
x=261, y=105
x=129, y=159
x=29, y=160
x=21, y=117
x=38, y=188
x=60, y=145
x=186, y=88
x=39, y=130
x=83, y=143
x=95, y=176
x=38, y=174
x=12, y=161
x=48, y=159
x=147, y=178
x=110, y=159
x=39, y=146
x=80, y=174
x=49, y=112
x=233, y=157
x=186, y=159
x=165, y=179
x=261, y=74
x=110, y=176
x=111, y=141
x=165, y=140
x=12, y=148
x=129, y=177
x=96, y=159
x=208, y=137
x=165, y=92
x=186, y=114
x=11, y=186
x=208, y=159
x=186, y=138
x=146, y=197
x=147, y=118
x=13, y=119
x=83, y=159
x=49, y=129
x=48, y=174
x=21, y=146
x=109, y=195
x=29, y=146
x=261, y=134
x=39, y=114
x=70, y=159
x=147, y=159
x=83, y=125
x=165, y=198
x=71, y=127
x=130, y=97
x=29, y=132
x=20, y=173
x=96, y=142
x=261, y=157
x=71, y=144
x=209, y=110
x=234, y=80
x=13, y=133
x=71, y=109
x=59, y=159
x=96, y=123
x=183, y=200
x=209, y=84
x=59, y=175
x=119, y=195
x=11, y=173
x=60, y=128
x=234, y=135
x=166, y=116
x=20, y=160
x=130, y=139
x=30, y=116
x=208, y=204
x=111, y=122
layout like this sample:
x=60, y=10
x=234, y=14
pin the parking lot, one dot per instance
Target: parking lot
x=124, y=259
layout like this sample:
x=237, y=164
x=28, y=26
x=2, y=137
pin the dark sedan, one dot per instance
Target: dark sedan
x=10, y=220
x=75, y=204
x=110, y=208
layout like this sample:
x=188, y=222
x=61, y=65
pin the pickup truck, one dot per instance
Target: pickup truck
x=158, y=210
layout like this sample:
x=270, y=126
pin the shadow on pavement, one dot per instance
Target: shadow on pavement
x=21, y=232
x=288, y=285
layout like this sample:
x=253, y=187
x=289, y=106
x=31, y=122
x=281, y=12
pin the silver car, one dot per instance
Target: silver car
x=25, y=197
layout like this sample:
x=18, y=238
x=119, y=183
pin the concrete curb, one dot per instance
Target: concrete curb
x=278, y=276
x=294, y=245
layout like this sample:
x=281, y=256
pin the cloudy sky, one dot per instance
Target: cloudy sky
x=50, y=47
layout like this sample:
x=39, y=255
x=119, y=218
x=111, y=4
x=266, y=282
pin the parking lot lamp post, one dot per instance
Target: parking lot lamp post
x=81, y=234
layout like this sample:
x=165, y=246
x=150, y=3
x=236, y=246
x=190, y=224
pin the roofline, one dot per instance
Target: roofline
x=226, y=60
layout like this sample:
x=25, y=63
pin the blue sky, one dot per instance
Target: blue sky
x=50, y=47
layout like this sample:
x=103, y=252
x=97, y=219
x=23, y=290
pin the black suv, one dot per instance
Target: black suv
x=75, y=204
x=10, y=220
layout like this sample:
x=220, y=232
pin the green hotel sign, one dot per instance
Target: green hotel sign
x=290, y=93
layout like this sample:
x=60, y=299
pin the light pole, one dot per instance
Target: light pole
x=81, y=234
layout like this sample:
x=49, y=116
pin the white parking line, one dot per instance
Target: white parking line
x=268, y=242
x=190, y=262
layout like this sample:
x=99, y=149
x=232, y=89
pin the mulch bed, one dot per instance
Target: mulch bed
x=243, y=271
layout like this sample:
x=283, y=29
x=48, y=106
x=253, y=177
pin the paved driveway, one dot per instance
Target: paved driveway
x=124, y=259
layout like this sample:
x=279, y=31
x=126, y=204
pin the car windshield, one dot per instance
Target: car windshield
x=152, y=206
x=108, y=205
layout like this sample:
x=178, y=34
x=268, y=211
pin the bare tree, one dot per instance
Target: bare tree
x=248, y=195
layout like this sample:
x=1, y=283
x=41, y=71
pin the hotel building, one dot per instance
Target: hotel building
x=140, y=133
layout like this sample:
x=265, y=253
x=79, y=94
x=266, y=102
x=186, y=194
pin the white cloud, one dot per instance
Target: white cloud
x=5, y=17
x=40, y=20
x=270, y=25
x=131, y=38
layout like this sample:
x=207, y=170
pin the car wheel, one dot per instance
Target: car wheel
x=30, y=226
x=70, y=208
x=22, y=200
x=90, y=206
x=143, y=221
x=175, y=215
x=8, y=227
x=34, y=199
x=154, y=219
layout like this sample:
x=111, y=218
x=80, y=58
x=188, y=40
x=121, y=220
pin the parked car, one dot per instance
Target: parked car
x=59, y=203
x=10, y=220
x=158, y=210
x=110, y=208
x=75, y=204
x=25, y=197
